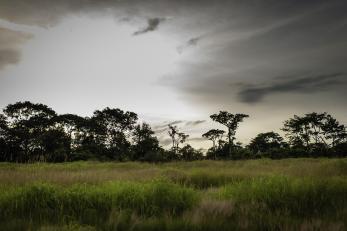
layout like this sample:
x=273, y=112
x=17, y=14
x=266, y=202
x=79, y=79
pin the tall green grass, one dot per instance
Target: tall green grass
x=299, y=197
x=46, y=202
x=199, y=174
x=200, y=179
x=293, y=194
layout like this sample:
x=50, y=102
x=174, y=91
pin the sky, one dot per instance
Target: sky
x=178, y=61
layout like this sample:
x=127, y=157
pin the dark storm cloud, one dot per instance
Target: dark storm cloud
x=152, y=25
x=10, y=46
x=214, y=13
x=250, y=42
x=47, y=13
x=306, y=84
x=243, y=41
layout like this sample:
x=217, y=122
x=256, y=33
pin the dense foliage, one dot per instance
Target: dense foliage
x=32, y=132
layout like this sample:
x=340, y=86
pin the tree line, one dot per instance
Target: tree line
x=31, y=132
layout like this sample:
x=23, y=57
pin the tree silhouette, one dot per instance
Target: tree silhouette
x=188, y=153
x=231, y=121
x=145, y=143
x=3, y=126
x=34, y=132
x=333, y=130
x=72, y=125
x=28, y=123
x=113, y=127
x=3, y=140
x=320, y=129
x=264, y=142
x=176, y=137
x=214, y=135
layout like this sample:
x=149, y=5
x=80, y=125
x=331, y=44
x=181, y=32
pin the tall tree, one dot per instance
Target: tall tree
x=264, y=142
x=3, y=141
x=231, y=121
x=27, y=123
x=214, y=135
x=3, y=126
x=334, y=131
x=314, y=128
x=113, y=127
x=177, y=137
x=56, y=146
x=188, y=153
x=145, y=143
x=72, y=125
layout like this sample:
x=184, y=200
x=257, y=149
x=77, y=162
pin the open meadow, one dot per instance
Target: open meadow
x=173, y=115
x=288, y=194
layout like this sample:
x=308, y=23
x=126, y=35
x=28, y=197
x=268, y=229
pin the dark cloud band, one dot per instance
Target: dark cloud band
x=152, y=25
x=306, y=84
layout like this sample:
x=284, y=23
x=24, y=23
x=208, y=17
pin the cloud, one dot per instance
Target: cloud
x=48, y=13
x=197, y=139
x=175, y=122
x=168, y=142
x=152, y=25
x=10, y=46
x=306, y=84
x=165, y=141
x=164, y=127
x=190, y=43
x=160, y=130
x=166, y=124
x=195, y=122
x=8, y=57
x=248, y=42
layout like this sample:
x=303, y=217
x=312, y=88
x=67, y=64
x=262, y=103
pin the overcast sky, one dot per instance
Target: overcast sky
x=178, y=60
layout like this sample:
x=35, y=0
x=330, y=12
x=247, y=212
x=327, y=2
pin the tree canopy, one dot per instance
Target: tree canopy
x=31, y=132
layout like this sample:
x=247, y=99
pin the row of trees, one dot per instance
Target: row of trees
x=34, y=132
x=314, y=134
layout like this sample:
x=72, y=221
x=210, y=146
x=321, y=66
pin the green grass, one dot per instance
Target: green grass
x=292, y=194
x=297, y=197
x=39, y=201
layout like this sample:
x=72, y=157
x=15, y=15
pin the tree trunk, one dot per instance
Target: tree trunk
x=230, y=142
x=214, y=149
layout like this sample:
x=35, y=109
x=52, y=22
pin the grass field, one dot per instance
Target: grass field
x=289, y=194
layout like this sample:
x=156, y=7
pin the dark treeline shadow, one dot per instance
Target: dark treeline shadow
x=32, y=132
